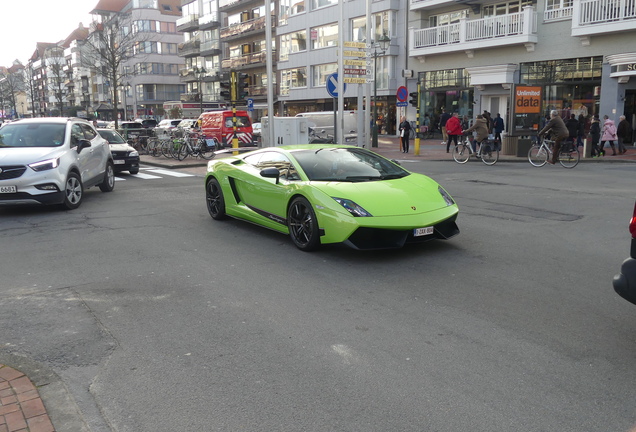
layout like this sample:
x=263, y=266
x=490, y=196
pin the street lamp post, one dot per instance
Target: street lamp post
x=383, y=44
x=200, y=73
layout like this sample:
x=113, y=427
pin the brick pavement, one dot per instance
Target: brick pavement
x=21, y=407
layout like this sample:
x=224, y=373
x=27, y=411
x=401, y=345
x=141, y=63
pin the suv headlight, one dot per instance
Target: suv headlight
x=45, y=164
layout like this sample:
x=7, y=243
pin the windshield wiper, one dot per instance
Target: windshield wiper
x=363, y=178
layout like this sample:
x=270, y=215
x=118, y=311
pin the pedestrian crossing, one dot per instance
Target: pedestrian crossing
x=151, y=173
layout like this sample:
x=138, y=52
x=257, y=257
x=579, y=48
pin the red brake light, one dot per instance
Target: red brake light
x=632, y=224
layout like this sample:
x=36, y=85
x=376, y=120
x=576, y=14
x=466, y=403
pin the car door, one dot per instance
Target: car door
x=264, y=195
x=84, y=156
x=97, y=155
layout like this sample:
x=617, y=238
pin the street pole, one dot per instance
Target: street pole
x=374, y=142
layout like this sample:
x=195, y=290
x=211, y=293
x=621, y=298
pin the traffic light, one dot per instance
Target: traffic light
x=242, y=85
x=226, y=87
x=414, y=99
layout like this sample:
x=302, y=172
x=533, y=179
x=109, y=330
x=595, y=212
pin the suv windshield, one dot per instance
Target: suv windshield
x=347, y=164
x=32, y=135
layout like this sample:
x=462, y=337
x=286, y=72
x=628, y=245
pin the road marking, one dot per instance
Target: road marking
x=170, y=173
x=145, y=176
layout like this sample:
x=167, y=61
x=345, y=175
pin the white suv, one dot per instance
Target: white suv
x=51, y=161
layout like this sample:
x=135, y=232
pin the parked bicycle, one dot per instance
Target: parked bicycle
x=568, y=157
x=196, y=145
x=488, y=151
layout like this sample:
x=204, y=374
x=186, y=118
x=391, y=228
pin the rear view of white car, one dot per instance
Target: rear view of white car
x=52, y=161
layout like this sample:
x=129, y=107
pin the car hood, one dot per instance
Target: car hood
x=412, y=194
x=26, y=155
x=121, y=147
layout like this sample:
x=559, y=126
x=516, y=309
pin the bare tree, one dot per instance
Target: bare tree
x=56, y=81
x=109, y=46
x=10, y=85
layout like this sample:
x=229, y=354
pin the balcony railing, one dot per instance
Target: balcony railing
x=603, y=16
x=557, y=14
x=245, y=27
x=421, y=4
x=244, y=60
x=468, y=35
x=188, y=22
x=190, y=48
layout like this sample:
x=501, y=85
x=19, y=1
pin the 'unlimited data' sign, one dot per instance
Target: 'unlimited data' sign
x=527, y=107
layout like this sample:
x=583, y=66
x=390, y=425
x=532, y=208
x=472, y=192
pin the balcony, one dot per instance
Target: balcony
x=560, y=14
x=254, y=59
x=423, y=4
x=191, y=48
x=241, y=29
x=210, y=48
x=594, y=17
x=209, y=21
x=188, y=23
x=468, y=35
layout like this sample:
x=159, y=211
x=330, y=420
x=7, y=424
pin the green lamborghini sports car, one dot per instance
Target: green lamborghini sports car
x=326, y=193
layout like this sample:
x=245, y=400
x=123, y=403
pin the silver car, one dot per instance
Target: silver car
x=52, y=161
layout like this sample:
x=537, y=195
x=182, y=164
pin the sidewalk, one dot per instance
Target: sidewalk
x=389, y=147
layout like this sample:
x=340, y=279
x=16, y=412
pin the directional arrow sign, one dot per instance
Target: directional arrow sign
x=332, y=85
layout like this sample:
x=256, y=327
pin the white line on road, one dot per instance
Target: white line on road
x=170, y=173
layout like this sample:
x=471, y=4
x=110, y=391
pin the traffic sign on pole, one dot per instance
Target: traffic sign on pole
x=402, y=94
x=332, y=85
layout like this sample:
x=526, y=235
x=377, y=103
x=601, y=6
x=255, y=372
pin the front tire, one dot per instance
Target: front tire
x=537, y=156
x=108, y=184
x=461, y=153
x=215, y=200
x=73, y=192
x=303, y=225
x=569, y=157
x=489, y=154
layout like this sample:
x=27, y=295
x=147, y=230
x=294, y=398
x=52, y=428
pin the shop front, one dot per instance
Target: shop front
x=623, y=73
x=447, y=90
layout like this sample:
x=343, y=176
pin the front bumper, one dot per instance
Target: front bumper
x=126, y=164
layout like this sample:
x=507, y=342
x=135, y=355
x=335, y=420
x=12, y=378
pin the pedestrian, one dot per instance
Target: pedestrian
x=442, y=124
x=453, y=129
x=488, y=119
x=480, y=126
x=405, y=134
x=573, y=128
x=498, y=126
x=622, y=133
x=595, y=134
x=582, y=124
x=609, y=134
x=558, y=132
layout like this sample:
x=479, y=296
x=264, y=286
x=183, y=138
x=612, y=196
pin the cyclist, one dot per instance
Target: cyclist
x=481, y=127
x=558, y=131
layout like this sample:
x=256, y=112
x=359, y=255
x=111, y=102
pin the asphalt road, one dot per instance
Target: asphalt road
x=150, y=316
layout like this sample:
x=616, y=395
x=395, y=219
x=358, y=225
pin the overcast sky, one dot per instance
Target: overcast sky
x=23, y=23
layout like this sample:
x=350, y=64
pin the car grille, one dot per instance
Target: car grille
x=119, y=154
x=12, y=171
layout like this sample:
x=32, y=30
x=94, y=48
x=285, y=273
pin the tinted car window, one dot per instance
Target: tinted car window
x=241, y=121
x=89, y=132
x=112, y=137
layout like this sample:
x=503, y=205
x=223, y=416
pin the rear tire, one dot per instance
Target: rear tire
x=489, y=154
x=108, y=184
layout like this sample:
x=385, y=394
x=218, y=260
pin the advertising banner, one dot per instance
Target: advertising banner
x=527, y=109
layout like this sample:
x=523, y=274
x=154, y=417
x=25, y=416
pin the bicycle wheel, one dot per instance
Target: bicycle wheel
x=461, y=153
x=153, y=147
x=206, y=151
x=537, y=155
x=175, y=148
x=569, y=156
x=489, y=154
x=166, y=146
x=183, y=152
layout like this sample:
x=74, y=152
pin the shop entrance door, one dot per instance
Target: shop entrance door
x=630, y=113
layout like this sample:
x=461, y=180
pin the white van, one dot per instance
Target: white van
x=322, y=123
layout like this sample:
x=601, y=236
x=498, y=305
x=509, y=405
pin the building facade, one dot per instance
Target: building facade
x=577, y=53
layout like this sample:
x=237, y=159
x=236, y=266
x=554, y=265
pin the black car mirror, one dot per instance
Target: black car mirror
x=271, y=173
x=82, y=144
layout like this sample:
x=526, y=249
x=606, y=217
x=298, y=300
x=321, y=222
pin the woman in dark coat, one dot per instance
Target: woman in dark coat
x=595, y=134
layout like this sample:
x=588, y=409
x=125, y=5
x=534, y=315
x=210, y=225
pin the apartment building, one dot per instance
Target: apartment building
x=307, y=35
x=201, y=50
x=578, y=55
x=150, y=76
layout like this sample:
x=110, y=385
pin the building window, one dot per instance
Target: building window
x=315, y=4
x=325, y=36
x=292, y=43
x=558, y=9
x=506, y=8
x=293, y=79
x=288, y=8
x=380, y=22
x=321, y=72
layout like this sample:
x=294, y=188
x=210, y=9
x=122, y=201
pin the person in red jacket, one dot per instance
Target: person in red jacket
x=453, y=129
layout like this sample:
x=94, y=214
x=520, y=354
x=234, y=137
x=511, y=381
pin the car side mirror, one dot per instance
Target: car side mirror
x=82, y=144
x=271, y=173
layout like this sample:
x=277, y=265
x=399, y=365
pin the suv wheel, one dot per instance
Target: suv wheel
x=108, y=184
x=73, y=192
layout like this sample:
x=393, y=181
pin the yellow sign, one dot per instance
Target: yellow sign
x=350, y=53
x=355, y=80
x=355, y=45
x=355, y=62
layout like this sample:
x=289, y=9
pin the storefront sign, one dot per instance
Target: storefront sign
x=527, y=107
x=628, y=67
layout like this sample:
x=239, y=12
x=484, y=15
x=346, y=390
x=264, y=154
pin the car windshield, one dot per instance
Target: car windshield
x=19, y=134
x=111, y=136
x=346, y=164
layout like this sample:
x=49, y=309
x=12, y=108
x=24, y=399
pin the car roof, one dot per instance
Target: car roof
x=50, y=120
